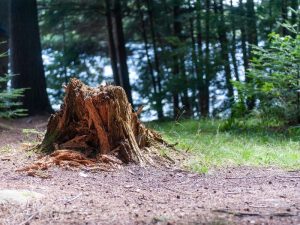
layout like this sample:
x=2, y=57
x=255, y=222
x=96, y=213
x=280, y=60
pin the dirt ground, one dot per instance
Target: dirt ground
x=134, y=195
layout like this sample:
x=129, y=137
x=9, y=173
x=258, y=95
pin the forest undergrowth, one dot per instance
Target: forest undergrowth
x=213, y=144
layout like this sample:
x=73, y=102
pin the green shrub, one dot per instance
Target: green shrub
x=9, y=104
x=274, y=78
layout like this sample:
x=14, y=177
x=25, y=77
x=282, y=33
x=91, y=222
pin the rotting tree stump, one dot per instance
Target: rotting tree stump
x=99, y=123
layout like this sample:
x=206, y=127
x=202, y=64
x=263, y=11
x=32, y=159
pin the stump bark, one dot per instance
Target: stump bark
x=100, y=122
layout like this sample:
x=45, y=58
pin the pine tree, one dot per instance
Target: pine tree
x=26, y=59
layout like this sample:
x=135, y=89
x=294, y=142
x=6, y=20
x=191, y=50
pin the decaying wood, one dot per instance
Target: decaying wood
x=100, y=123
x=64, y=157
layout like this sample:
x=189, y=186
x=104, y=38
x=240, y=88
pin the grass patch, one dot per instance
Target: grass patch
x=5, y=149
x=213, y=146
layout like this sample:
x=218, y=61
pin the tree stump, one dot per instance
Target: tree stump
x=100, y=122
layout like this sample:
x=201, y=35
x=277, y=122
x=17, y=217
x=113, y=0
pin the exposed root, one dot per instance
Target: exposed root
x=64, y=158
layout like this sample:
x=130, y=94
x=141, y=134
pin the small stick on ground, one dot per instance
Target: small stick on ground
x=32, y=216
x=239, y=214
x=288, y=177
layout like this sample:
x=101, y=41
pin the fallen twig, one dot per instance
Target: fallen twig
x=283, y=214
x=5, y=159
x=244, y=177
x=32, y=216
x=72, y=199
x=233, y=192
x=259, y=206
x=239, y=214
x=172, y=145
x=288, y=177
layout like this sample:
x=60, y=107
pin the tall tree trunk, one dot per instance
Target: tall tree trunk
x=195, y=66
x=176, y=67
x=200, y=71
x=4, y=14
x=65, y=66
x=26, y=58
x=179, y=58
x=160, y=114
x=252, y=40
x=157, y=94
x=222, y=36
x=3, y=41
x=233, y=43
x=271, y=22
x=111, y=43
x=251, y=24
x=185, y=100
x=119, y=42
x=3, y=57
x=205, y=90
x=295, y=6
x=284, y=15
x=243, y=37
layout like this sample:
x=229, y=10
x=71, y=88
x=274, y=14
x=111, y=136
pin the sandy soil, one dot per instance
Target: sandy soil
x=134, y=195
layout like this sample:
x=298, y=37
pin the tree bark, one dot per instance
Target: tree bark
x=99, y=121
x=252, y=40
x=26, y=59
x=243, y=37
x=195, y=60
x=200, y=72
x=284, y=15
x=179, y=64
x=205, y=92
x=156, y=89
x=295, y=6
x=3, y=57
x=233, y=43
x=119, y=41
x=176, y=70
x=251, y=24
x=160, y=114
x=111, y=43
x=271, y=22
x=185, y=100
x=222, y=36
x=3, y=41
x=4, y=15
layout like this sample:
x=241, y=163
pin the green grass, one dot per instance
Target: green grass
x=211, y=147
x=5, y=149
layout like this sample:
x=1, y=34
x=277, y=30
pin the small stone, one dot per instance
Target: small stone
x=18, y=196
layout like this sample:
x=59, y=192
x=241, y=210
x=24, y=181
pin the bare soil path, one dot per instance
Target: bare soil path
x=134, y=195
